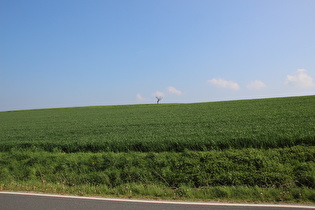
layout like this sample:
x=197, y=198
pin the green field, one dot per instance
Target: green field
x=248, y=150
x=264, y=123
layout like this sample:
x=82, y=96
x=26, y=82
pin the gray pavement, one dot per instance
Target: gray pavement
x=26, y=201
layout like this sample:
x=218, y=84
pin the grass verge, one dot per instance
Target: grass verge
x=252, y=194
x=253, y=175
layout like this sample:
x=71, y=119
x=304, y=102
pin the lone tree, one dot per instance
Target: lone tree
x=159, y=98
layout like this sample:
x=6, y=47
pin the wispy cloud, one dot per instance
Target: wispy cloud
x=139, y=97
x=158, y=94
x=224, y=84
x=300, y=79
x=256, y=85
x=173, y=90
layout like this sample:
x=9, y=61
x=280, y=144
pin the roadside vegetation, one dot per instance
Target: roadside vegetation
x=250, y=150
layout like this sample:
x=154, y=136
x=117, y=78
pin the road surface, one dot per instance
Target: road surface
x=31, y=201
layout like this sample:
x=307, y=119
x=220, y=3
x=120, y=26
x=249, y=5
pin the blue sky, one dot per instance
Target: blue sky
x=66, y=53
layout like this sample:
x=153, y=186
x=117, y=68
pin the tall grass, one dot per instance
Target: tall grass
x=284, y=174
x=232, y=167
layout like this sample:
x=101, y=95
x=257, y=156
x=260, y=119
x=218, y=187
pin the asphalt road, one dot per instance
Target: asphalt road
x=27, y=201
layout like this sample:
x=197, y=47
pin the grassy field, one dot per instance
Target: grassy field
x=249, y=150
x=264, y=123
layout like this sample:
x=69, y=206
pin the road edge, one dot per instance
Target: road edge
x=161, y=201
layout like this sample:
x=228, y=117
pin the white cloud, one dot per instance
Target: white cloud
x=174, y=90
x=158, y=94
x=224, y=84
x=301, y=79
x=255, y=85
x=140, y=98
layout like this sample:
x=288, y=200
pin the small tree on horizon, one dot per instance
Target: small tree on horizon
x=159, y=98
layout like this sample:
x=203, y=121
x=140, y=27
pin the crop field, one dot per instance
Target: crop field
x=259, y=150
x=264, y=123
